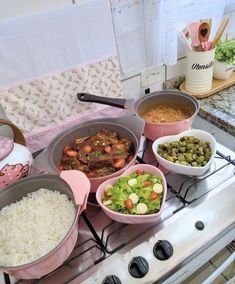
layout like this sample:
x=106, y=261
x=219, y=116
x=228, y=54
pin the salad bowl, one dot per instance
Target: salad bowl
x=130, y=218
x=188, y=170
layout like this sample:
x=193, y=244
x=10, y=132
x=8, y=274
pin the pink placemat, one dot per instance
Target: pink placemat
x=40, y=139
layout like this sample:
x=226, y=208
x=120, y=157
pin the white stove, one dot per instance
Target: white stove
x=198, y=220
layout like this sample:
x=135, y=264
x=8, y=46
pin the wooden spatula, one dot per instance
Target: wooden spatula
x=220, y=30
x=209, y=21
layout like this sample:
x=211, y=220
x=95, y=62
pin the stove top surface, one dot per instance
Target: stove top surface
x=101, y=239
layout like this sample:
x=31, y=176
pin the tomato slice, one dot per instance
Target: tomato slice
x=153, y=195
x=147, y=183
x=119, y=163
x=66, y=149
x=72, y=154
x=128, y=204
x=139, y=172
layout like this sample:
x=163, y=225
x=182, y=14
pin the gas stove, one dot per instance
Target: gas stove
x=198, y=220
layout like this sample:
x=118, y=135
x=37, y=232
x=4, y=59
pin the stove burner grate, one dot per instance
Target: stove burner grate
x=101, y=243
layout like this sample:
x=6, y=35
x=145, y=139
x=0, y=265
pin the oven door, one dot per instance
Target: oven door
x=187, y=269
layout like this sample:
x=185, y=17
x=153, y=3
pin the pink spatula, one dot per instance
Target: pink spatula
x=194, y=27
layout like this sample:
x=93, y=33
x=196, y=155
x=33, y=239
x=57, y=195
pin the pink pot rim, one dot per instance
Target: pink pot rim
x=51, y=252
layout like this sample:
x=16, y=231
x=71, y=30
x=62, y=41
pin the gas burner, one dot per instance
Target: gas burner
x=112, y=252
x=92, y=199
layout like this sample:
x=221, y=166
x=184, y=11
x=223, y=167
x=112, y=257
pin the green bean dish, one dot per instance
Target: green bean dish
x=188, y=151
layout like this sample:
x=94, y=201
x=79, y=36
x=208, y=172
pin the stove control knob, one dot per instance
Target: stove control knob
x=138, y=267
x=163, y=250
x=111, y=279
x=199, y=225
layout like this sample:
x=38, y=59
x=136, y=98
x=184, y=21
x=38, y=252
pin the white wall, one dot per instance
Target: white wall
x=15, y=8
x=131, y=86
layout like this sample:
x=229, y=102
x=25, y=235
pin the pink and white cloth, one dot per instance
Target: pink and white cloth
x=6, y=146
x=47, y=58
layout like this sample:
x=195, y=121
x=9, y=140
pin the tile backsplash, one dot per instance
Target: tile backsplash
x=173, y=83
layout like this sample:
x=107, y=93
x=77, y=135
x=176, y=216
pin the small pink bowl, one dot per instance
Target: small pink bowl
x=128, y=218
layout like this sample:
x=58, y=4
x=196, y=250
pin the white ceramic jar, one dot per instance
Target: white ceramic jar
x=222, y=71
x=15, y=158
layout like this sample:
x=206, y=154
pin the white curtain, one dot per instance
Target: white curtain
x=137, y=29
x=53, y=41
x=146, y=30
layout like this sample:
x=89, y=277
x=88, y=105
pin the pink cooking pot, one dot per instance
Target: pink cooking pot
x=129, y=126
x=15, y=158
x=76, y=186
x=153, y=130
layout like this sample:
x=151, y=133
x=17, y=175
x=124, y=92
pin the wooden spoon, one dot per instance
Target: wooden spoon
x=220, y=30
x=204, y=32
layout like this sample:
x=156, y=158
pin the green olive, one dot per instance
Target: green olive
x=188, y=151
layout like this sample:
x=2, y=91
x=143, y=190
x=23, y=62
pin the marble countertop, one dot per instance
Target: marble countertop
x=218, y=108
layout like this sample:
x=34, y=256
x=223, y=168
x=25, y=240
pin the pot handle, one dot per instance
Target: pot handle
x=79, y=185
x=84, y=97
x=18, y=135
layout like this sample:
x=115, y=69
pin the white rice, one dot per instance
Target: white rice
x=33, y=226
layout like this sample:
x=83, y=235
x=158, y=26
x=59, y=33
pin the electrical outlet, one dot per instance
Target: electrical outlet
x=152, y=75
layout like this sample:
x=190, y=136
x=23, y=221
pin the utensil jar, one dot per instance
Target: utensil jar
x=199, y=71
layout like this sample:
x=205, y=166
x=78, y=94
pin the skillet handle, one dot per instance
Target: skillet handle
x=84, y=97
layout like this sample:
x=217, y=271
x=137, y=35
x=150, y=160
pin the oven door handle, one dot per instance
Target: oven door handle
x=219, y=270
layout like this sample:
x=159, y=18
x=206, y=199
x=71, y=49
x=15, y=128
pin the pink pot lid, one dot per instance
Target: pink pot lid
x=6, y=146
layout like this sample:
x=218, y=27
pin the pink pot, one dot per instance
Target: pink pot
x=128, y=218
x=153, y=130
x=129, y=127
x=73, y=183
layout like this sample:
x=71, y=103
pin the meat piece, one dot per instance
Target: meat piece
x=104, y=171
x=99, y=155
x=78, y=146
x=99, y=145
x=83, y=157
x=77, y=165
x=128, y=144
x=118, y=148
x=123, y=155
x=108, y=136
x=122, y=146
x=96, y=162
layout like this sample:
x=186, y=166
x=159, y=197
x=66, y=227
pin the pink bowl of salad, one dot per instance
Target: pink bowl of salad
x=135, y=197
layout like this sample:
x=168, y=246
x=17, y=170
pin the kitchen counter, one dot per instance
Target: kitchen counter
x=218, y=109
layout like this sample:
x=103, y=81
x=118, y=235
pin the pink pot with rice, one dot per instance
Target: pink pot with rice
x=76, y=186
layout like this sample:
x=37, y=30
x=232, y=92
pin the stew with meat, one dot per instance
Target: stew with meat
x=98, y=155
